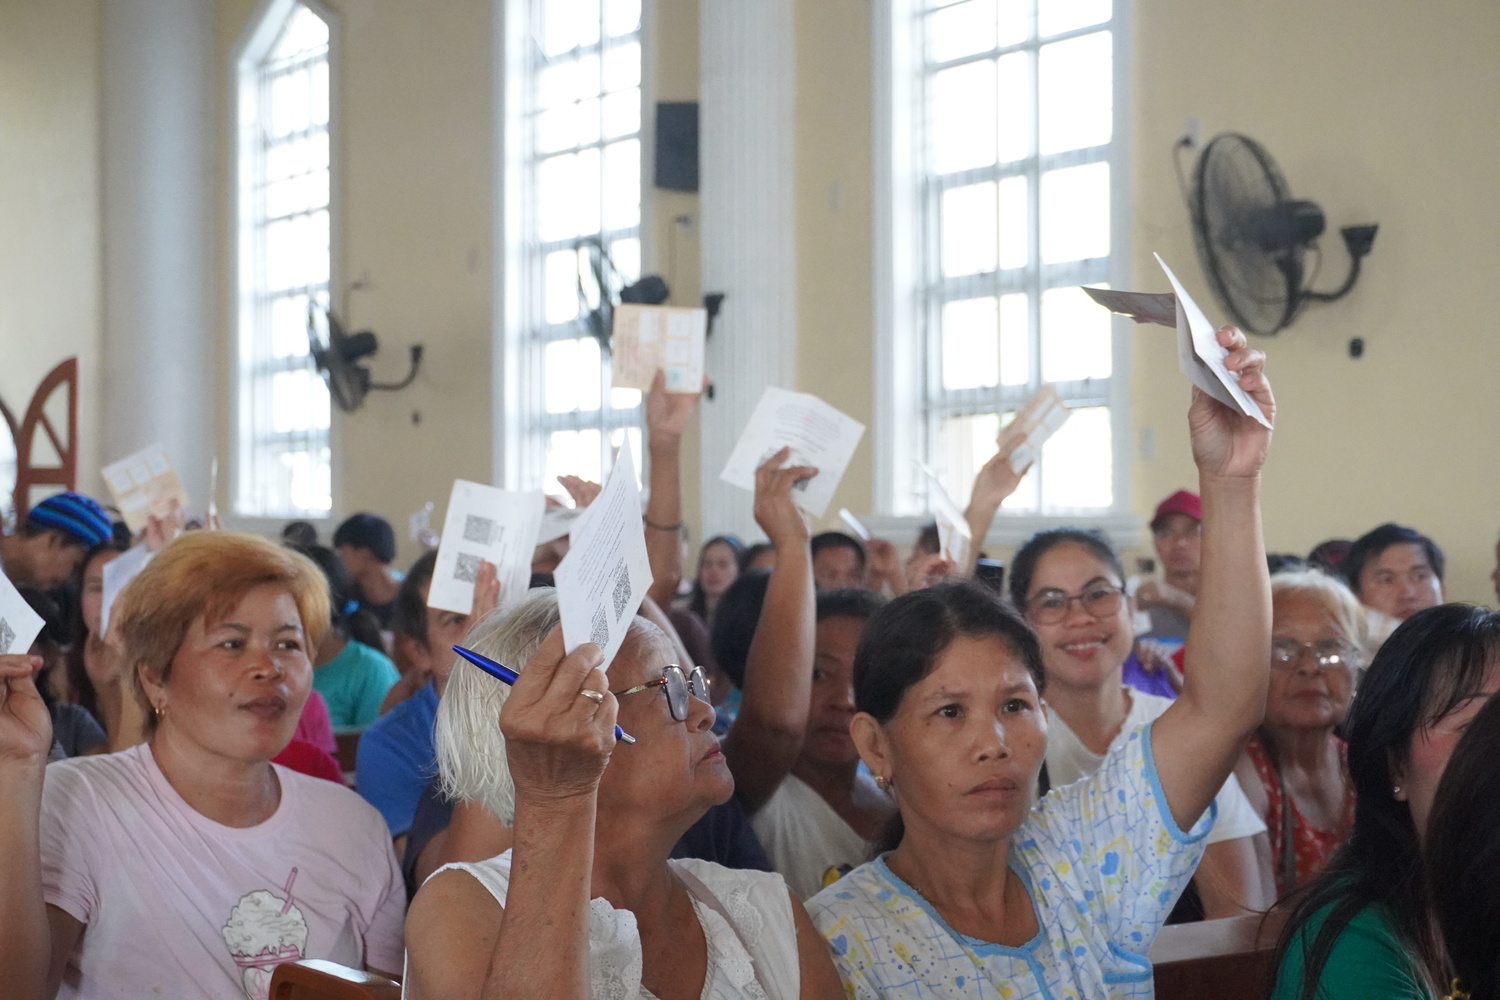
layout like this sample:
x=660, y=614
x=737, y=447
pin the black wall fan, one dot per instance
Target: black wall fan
x=1254, y=238
x=337, y=354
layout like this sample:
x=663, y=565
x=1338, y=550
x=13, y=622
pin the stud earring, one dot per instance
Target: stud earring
x=882, y=782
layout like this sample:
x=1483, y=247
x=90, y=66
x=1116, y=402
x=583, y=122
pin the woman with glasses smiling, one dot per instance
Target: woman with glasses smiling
x=1294, y=770
x=587, y=902
x=1069, y=585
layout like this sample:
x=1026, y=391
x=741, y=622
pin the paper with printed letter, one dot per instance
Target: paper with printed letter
x=144, y=485
x=650, y=337
x=818, y=435
x=19, y=622
x=603, y=579
x=118, y=573
x=955, y=539
x=484, y=524
x=1041, y=417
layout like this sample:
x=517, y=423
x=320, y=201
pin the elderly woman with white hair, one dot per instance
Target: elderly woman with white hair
x=586, y=903
x=1294, y=769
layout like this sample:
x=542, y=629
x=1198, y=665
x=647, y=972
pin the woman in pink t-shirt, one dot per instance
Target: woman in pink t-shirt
x=191, y=865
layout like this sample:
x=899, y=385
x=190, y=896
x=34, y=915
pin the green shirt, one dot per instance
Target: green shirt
x=1367, y=960
x=354, y=683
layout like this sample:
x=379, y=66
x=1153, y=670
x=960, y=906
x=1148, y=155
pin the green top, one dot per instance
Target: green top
x=354, y=683
x=1367, y=960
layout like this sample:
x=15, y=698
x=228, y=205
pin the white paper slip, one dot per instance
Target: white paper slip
x=1041, y=417
x=954, y=537
x=19, y=622
x=419, y=526
x=854, y=524
x=606, y=573
x=818, y=435
x=1143, y=307
x=557, y=522
x=484, y=524
x=144, y=485
x=650, y=337
x=118, y=572
x=1201, y=356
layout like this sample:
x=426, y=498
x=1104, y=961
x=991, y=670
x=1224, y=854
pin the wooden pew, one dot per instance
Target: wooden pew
x=315, y=979
x=1228, y=959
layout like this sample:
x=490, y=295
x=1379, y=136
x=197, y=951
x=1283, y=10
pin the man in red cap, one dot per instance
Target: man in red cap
x=1169, y=600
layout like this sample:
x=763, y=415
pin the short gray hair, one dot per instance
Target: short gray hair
x=470, y=747
x=1335, y=596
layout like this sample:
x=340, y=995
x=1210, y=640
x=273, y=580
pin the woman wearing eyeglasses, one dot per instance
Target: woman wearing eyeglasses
x=1069, y=585
x=586, y=903
x=1294, y=770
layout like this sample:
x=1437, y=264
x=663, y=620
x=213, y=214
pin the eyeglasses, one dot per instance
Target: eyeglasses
x=1328, y=653
x=677, y=686
x=1051, y=606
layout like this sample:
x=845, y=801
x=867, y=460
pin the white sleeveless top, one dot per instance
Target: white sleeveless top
x=756, y=901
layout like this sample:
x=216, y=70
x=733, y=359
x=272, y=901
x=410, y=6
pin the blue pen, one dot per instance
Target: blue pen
x=501, y=672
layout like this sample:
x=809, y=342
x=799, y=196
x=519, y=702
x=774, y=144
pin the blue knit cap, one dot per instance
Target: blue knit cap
x=74, y=513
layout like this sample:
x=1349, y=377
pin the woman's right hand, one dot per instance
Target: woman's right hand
x=558, y=740
x=775, y=511
x=25, y=725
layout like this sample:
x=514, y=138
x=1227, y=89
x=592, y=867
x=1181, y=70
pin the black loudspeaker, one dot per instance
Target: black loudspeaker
x=677, y=145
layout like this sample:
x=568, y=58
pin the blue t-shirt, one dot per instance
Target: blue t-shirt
x=397, y=758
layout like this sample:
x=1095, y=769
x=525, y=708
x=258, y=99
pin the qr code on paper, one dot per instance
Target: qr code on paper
x=7, y=636
x=599, y=629
x=479, y=529
x=467, y=567
x=621, y=593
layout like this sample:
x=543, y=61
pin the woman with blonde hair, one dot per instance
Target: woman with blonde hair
x=586, y=903
x=1294, y=769
x=190, y=865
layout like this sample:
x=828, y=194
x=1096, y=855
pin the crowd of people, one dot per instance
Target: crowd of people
x=855, y=771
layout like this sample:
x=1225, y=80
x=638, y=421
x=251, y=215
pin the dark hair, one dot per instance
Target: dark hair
x=1329, y=555
x=754, y=552
x=836, y=540
x=299, y=534
x=409, y=613
x=849, y=602
x=903, y=641
x=78, y=675
x=698, y=603
x=1023, y=566
x=1370, y=545
x=345, y=612
x=928, y=539
x=1284, y=562
x=367, y=531
x=1462, y=849
x=1432, y=663
x=735, y=621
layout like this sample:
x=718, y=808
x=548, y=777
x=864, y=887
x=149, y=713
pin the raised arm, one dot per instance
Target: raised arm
x=1197, y=741
x=666, y=416
x=557, y=745
x=26, y=940
x=766, y=737
x=995, y=482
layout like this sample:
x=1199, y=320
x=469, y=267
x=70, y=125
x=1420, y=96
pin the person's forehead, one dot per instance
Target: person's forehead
x=1175, y=522
x=976, y=662
x=1067, y=566
x=1401, y=555
x=642, y=656
x=839, y=634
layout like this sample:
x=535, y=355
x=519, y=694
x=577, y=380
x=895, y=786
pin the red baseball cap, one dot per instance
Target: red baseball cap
x=1181, y=502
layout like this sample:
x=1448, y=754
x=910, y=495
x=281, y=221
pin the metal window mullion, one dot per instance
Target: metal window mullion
x=1033, y=42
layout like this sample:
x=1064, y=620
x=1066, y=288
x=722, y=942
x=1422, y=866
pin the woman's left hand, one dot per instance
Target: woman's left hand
x=1228, y=444
x=25, y=725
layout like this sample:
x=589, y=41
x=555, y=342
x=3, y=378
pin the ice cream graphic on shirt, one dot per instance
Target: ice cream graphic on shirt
x=263, y=931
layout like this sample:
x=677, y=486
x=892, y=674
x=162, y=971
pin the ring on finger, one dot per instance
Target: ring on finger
x=597, y=697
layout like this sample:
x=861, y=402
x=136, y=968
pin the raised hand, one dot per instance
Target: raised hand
x=486, y=592
x=927, y=570
x=25, y=726
x=1226, y=443
x=778, y=516
x=160, y=531
x=883, y=566
x=583, y=491
x=559, y=723
x=667, y=412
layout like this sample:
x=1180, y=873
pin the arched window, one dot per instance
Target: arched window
x=281, y=419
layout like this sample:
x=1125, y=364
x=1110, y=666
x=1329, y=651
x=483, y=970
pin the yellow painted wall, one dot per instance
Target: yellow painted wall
x=50, y=278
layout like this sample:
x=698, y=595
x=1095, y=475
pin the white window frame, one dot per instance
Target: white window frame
x=900, y=332
x=523, y=423
x=264, y=29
